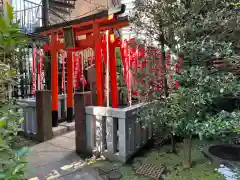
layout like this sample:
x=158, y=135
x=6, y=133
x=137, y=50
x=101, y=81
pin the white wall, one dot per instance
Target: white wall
x=128, y=32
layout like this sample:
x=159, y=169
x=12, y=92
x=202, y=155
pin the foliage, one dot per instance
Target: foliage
x=185, y=111
x=186, y=107
x=12, y=164
x=221, y=125
x=196, y=30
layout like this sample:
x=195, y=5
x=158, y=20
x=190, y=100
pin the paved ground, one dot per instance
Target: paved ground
x=56, y=159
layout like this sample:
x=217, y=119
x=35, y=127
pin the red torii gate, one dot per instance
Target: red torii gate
x=92, y=27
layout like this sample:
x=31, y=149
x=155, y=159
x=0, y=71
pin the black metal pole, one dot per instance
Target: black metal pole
x=45, y=15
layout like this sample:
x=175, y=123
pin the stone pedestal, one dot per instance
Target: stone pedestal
x=80, y=101
x=44, y=116
x=91, y=78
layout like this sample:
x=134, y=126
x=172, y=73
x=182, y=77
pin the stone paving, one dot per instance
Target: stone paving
x=56, y=159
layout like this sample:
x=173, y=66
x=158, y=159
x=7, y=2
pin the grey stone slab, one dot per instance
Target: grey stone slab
x=70, y=126
x=42, y=158
x=59, y=130
x=79, y=176
x=70, y=135
x=69, y=167
x=86, y=174
x=63, y=142
x=47, y=147
x=60, y=168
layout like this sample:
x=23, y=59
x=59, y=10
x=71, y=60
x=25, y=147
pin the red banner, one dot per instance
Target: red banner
x=40, y=69
x=63, y=57
x=34, y=71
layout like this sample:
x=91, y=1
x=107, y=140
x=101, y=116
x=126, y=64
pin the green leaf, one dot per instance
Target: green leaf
x=21, y=120
x=4, y=146
x=2, y=123
x=10, y=12
x=221, y=90
x=2, y=175
x=18, y=168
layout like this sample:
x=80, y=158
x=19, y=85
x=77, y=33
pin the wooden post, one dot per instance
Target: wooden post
x=43, y=113
x=69, y=86
x=80, y=101
x=98, y=62
x=54, y=80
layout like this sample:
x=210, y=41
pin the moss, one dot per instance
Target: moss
x=201, y=169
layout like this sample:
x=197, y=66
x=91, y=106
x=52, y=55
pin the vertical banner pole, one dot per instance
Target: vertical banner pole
x=113, y=71
x=69, y=86
x=129, y=79
x=54, y=81
x=107, y=66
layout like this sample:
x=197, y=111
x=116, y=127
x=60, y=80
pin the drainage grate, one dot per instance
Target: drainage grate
x=151, y=171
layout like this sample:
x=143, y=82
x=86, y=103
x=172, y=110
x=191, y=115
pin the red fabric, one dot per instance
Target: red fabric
x=34, y=71
x=40, y=69
x=76, y=70
x=177, y=85
x=178, y=66
x=81, y=78
x=136, y=93
x=63, y=70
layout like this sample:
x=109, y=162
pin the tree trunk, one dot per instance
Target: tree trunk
x=164, y=64
x=173, y=143
x=187, y=146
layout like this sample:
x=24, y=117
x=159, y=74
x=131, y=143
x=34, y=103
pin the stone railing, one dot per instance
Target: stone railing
x=29, y=125
x=115, y=132
x=28, y=107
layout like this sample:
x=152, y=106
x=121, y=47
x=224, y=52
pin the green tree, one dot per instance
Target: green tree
x=186, y=111
x=196, y=30
x=202, y=33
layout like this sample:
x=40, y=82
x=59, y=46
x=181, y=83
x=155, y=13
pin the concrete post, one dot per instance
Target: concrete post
x=123, y=139
x=44, y=113
x=80, y=101
x=111, y=124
